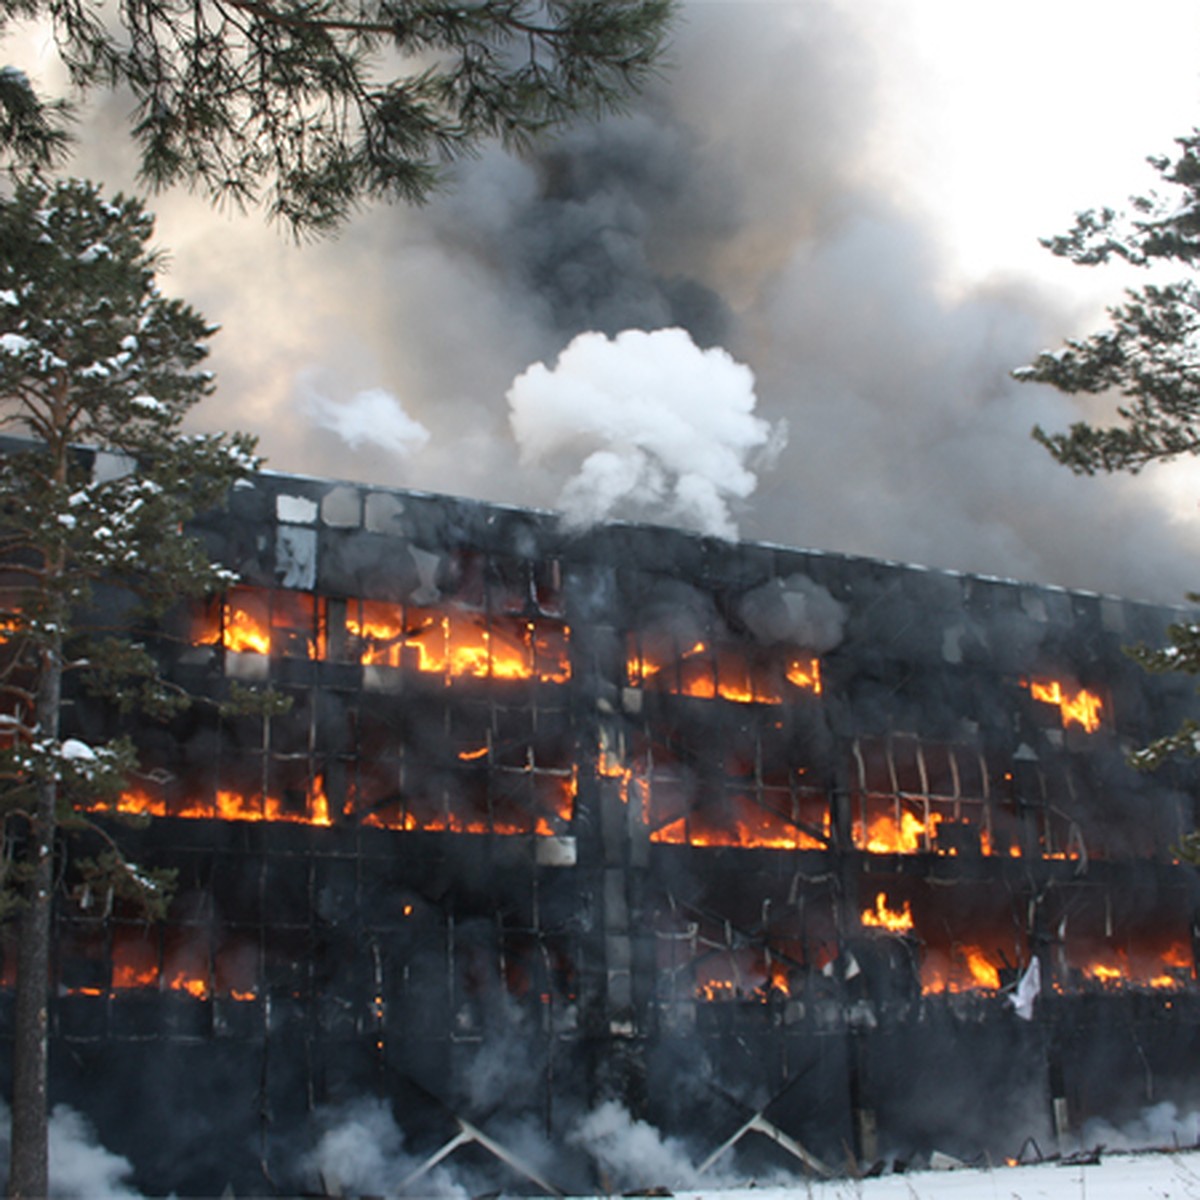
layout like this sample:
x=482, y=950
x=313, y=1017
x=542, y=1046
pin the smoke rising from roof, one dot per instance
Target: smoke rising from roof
x=657, y=426
x=741, y=201
x=371, y=417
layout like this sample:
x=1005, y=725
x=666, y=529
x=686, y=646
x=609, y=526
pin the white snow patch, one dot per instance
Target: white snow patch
x=15, y=343
x=1148, y=1176
x=76, y=751
x=95, y=251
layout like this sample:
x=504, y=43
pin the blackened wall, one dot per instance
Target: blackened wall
x=631, y=844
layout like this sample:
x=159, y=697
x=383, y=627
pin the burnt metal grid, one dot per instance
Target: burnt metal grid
x=604, y=880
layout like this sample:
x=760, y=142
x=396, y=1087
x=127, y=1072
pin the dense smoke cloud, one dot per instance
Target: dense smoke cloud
x=742, y=201
x=657, y=426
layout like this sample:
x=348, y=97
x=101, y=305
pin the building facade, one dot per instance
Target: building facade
x=798, y=857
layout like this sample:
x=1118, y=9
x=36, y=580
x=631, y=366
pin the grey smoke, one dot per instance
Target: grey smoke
x=631, y=1153
x=738, y=202
x=1158, y=1126
x=794, y=609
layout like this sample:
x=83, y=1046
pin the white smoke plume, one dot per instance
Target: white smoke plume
x=370, y=418
x=1160, y=1126
x=659, y=428
x=631, y=1153
x=80, y=1168
x=361, y=1152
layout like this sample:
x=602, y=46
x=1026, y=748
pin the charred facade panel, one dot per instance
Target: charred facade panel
x=755, y=841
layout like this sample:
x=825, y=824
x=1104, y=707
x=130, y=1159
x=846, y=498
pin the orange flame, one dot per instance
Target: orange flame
x=967, y=970
x=227, y=806
x=727, y=673
x=182, y=982
x=751, y=977
x=806, y=674
x=884, y=835
x=779, y=981
x=426, y=639
x=1080, y=708
x=751, y=828
x=882, y=917
x=557, y=794
x=131, y=975
x=243, y=633
x=1163, y=970
x=462, y=644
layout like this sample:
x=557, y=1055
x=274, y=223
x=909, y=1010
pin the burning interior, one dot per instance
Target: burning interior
x=762, y=843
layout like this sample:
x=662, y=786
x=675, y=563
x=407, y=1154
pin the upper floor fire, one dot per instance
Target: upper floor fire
x=637, y=789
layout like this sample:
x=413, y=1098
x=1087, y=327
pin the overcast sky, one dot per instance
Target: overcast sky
x=843, y=195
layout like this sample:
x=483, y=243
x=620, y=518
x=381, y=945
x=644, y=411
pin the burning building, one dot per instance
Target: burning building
x=797, y=856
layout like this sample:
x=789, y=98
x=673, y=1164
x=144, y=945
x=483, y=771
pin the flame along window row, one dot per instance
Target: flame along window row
x=702, y=957
x=236, y=965
x=906, y=796
x=114, y=957
x=446, y=765
x=913, y=936
x=707, y=668
x=971, y=938
x=446, y=640
x=740, y=791
x=916, y=797
x=910, y=796
x=409, y=794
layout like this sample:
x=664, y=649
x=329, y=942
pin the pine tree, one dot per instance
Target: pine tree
x=91, y=355
x=1147, y=358
x=302, y=97
x=1149, y=355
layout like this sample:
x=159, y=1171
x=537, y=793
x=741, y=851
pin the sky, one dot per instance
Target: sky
x=843, y=197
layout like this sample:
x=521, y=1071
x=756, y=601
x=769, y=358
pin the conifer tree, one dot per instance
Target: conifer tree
x=312, y=106
x=91, y=355
x=1147, y=360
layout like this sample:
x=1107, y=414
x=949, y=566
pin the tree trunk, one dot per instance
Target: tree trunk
x=29, y=1171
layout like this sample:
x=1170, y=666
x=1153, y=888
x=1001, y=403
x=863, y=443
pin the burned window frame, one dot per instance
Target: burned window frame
x=890, y=778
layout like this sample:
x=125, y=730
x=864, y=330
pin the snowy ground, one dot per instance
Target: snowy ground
x=1120, y=1177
